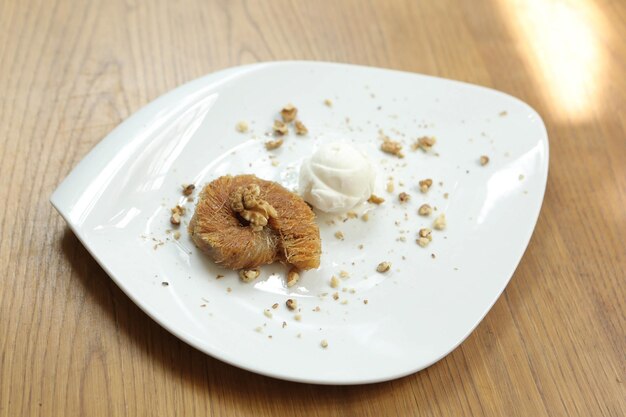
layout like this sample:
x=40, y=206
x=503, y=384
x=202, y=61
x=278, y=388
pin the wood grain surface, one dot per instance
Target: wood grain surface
x=72, y=344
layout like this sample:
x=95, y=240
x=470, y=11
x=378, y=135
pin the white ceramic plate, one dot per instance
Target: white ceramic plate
x=117, y=201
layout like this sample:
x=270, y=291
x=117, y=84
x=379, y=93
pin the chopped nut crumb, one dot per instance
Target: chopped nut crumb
x=275, y=306
x=177, y=234
x=291, y=304
x=484, y=160
x=292, y=277
x=242, y=127
x=335, y=296
x=165, y=283
x=344, y=302
x=267, y=313
x=403, y=197
x=392, y=147
x=365, y=217
x=339, y=235
x=249, y=275
x=440, y=222
x=270, y=145
x=390, y=187
x=247, y=203
x=446, y=195
x=344, y=274
x=375, y=199
x=352, y=215
x=188, y=189
x=300, y=128
x=280, y=128
x=503, y=113
x=424, y=210
x=352, y=291
x=298, y=317
x=425, y=184
x=177, y=212
x=229, y=289
x=425, y=237
x=365, y=301
x=324, y=343
x=218, y=276
x=328, y=102
x=425, y=143
x=289, y=113
x=383, y=267
x=334, y=282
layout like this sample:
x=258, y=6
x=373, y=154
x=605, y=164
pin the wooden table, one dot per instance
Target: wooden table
x=71, y=343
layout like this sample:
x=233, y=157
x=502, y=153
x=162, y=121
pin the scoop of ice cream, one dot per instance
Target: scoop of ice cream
x=336, y=178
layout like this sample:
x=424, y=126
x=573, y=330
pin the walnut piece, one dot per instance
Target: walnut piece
x=425, y=184
x=246, y=202
x=383, y=267
x=280, y=128
x=273, y=144
x=188, y=189
x=289, y=113
x=177, y=212
x=404, y=197
x=292, y=277
x=249, y=275
x=424, y=210
x=375, y=199
x=484, y=160
x=440, y=222
x=425, y=143
x=291, y=304
x=392, y=147
x=300, y=128
x=425, y=237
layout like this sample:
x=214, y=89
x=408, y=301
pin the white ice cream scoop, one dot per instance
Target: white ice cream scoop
x=336, y=178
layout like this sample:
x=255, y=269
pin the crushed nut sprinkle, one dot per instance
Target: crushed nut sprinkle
x=392, y=147
x=328, y=102
x=324, y=343
x=365, y=217
x=300, y=128
x=424, y=210
x=335, y=296
x=344, y=274
x=177, y=234
x=425, y=143
x=275, y=306
x=270, y=145
x=404, y=197
x=249, y=275
x=339, y=235
x=484, y=160
x=292, y=277
x=298, y=317
x=241, y=127
x=376, y=199
x=246, y=201
x=425, y=237
x=268, y=313
x=383, y=267
x=177, y=212
x=291, y=304
x=280, y=128
x=188, y=189
x=425, y=184
x=334, y=282
x=289, y=113
x=390, y=187
x=352, y=215
x=440, y=222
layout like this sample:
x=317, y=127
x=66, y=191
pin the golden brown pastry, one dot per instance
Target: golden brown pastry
x=243, y=222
